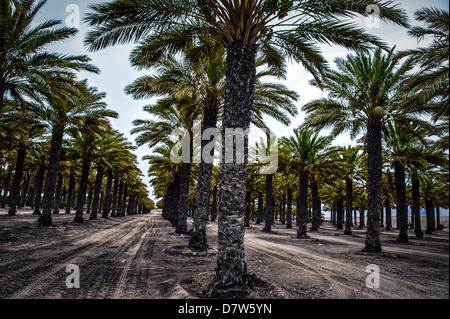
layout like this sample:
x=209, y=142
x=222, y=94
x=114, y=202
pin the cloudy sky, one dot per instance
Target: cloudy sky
x=116, y=71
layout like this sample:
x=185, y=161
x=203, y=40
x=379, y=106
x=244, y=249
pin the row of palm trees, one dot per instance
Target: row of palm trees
x=371, y=90
x=55, y=129
x=209, y=60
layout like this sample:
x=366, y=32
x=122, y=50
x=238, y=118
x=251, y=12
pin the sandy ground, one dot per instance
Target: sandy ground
x=136, y=257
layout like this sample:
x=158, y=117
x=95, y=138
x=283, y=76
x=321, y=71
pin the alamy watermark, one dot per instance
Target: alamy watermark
x=373, y=279
x=233, y=149
x=73, y=280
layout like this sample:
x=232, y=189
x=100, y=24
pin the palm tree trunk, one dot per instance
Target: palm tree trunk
x=387, y=208
x=107, y=205
x=340, y=213
x=78, y=219
x=361, y=218
x=97, y=190
x=198, y=236
x=89, y=200
x=124, y=199
x=260, y=209
x=15, y=188
x=119, y=199
x=283, y=210
x=114, y=196
x=232, y=275
x=57, y=199
x=400, y=190
x=70, y=192
x=7, y=184
x=183, y=202
x=214, y=204
x=269, y=211
x=50, y=180
x=39, y=185
x=429, y=212
x=23, y=194
x=248, y=199
x=302, y=207
x=348, y=205
x=374, y=173
x=316, y=210
x=289, y=208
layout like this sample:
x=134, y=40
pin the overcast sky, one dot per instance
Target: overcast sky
x=116, y=71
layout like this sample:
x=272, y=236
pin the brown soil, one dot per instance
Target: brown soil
x=141, y=257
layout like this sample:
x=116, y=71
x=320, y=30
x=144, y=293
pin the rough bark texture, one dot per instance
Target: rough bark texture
x=400, y=190
x=374, y=173
x=15, y=188
x=198, y=235
x=269, y=211
x=50, y=180
x=214, y=204
x=97, y=191
x=302, y=207
x=232, y=276
x=340, y=213
x=348, y=205
x=183, y=200
x=39, y=186
x=429, y=211
x=82, y=191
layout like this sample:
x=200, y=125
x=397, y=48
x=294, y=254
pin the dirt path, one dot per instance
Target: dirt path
x=141, y=257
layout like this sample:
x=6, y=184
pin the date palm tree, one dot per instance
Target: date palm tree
x=24, y=62
x=290, y=28
x=62, y=107
x=305, y=147
x=364, y=94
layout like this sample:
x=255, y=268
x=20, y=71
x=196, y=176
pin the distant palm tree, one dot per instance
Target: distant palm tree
x=305, y=148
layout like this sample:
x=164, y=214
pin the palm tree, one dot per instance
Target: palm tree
x=305, y=148
x=430, y=83
x=64, y=106
x=285, y=28
x=24, y=63
x=348, y=159
x=364, y=95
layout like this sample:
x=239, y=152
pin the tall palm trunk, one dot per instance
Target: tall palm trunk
x=214, y=204
x=23, y=194
x=50, y=180
x=402, y=213
x=183, y=200
x=114, y=196
x=15, y=188
x=232, y=275
x=82, y=191
x=269, y=211
x=39, y=185
x=348, y=205
x=339, y=213
x=316, y=210
x=289, y=208
x=97, y=190
x=57, y=199
x=374, y=173
x=107, y=204
x=429, y=211
x=198, y=236
x=7, y=184
x=302, y=207
x=70, y=192
x=260, y=209
x=387, y=208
